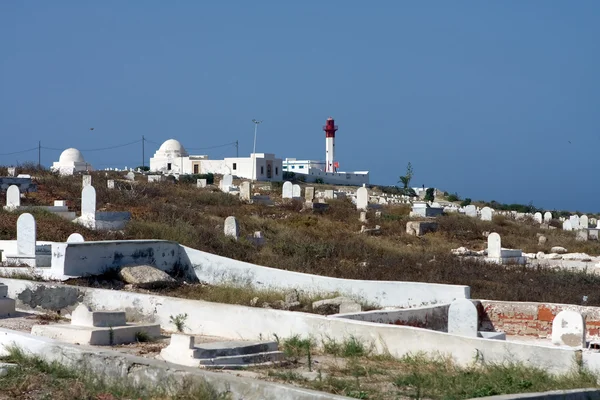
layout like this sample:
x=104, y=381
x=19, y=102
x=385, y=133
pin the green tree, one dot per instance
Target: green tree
x=406, y=178
x=430, y=194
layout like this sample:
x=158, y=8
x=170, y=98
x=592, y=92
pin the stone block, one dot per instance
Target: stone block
x=419, y=228
x=98, y=336
x=83, y=316
x=146, y=276
x=463, y=318
x=568, y=329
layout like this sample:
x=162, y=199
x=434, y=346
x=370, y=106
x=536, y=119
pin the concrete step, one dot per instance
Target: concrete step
x=243, y=360
x=232, y=348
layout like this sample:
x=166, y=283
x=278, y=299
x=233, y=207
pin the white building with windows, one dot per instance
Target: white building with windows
x=315, y=171
x=172, y=159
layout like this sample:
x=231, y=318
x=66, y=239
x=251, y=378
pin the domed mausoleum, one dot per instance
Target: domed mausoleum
x=70, y=162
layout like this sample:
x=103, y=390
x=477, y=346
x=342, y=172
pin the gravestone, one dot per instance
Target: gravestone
x=486, y=214
x=86, y=180
x=584, y=222
x=12, y=171
x=110, y=183
x=245, y=191
x=13, y=197
x=362, y=198
x=88, y=202
x=75, y=238
x=26, y=235
x=363, y=216
x=538, y=217
x=296, y=191
x=309, y=194
x=232, y=228
x=287, y=192
x=494, y=245
x=463, y=318
x=328, y=195
x=154, y=178
x=574, y=222
x=547, y=217
x=568, y=329
x=60, y=203
x=471, y=211
x=200, y=183
x=567, y=225
x=130, y=176
x=226, y=182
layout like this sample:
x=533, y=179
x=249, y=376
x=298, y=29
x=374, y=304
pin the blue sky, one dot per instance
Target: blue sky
x=493, y=100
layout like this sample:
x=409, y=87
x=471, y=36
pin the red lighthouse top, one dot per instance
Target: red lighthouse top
x=330, y=127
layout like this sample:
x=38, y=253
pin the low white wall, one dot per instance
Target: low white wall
x=109, y=364
x=216, y=269
x=240, y=322
x=429, y=317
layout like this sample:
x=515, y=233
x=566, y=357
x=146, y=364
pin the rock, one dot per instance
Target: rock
x=254, y=302
x=292, y=296
x=337, y=305
x=540, y=255
x=558, y=249
x=279, y=305
x=542, y=240
x=146, y=277
x=461, y=251
x=553, y=256
x=576, y=257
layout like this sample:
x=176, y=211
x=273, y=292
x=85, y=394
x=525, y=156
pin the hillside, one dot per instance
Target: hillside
x=326, y=244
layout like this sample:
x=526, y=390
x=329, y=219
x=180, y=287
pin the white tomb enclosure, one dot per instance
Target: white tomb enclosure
x=495, y=252
x=70, y=162
x=172, y=158
x=100, y=328
x=105, y=220
x=182, y=350
x=568, y=329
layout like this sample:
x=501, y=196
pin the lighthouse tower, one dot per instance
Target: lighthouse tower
x=330, y=129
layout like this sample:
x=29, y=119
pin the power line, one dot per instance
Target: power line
x=99, y=149
x=19, y=152
x=213, y=147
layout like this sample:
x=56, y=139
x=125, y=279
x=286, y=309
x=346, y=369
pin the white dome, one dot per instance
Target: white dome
x=172, y=147
x=71, y=156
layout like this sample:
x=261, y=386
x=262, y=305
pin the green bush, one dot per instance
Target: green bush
x=193, y=178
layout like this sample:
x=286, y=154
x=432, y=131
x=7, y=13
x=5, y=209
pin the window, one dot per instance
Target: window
x=195, y=168
x=234, y=166
x=262, y=170
x=285, y=167
x=169, y=166
x=301, y=167
x=276, y=170
x=293, y=167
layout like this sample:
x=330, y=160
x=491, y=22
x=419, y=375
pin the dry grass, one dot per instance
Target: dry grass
x=325, y=244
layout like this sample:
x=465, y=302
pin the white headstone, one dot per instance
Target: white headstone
x=13, y=197
x=232, y=229
x=154, y=178
x=471, y=210
x=463, y=318
x=88, y=202
x=584, y=222
x=226, y=182
x=60, y=203
x=130, y=176
x=567, y=225
x=568, y=329
x=12, y=171
x=486, y=214
x=362, y=198
x=245, y=190
x=296, y=191
x=309, y=194
x=547, y=217
x=363, y=216
x=494, y=245
x=110, y=183
x=287, y=192
x=574, y=221
x=26, y=235
x=201, y=183
x=86, y=180
x=75, y=238
x=538, y=217
x=328, y=194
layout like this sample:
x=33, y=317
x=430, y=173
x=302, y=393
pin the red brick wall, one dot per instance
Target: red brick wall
x=531, y=319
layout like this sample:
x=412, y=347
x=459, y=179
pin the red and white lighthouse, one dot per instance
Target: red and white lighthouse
x=330, y=128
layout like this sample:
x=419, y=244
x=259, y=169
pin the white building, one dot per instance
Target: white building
x=172, y=158
x=326, y=171
x=70, y=162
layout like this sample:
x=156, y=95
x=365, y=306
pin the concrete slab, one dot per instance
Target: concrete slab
x=99, y=336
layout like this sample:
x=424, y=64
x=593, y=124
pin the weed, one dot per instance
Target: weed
x=143, y=337
x=295, y=346
x=179, y=321
x=111, y=335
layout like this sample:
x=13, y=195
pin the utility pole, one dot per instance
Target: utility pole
x=143, y=154
x=39, y=154
x=254, y=150
x=237, y=147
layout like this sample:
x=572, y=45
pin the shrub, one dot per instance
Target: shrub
x=465, y=202
x=193, y=178
x=319, y=181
